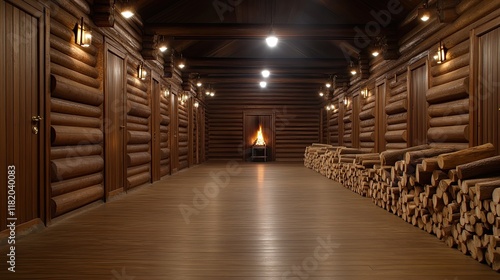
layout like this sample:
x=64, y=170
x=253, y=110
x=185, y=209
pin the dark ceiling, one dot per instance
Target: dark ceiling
x=224, y=40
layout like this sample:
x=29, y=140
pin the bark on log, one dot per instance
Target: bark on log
x=64, y=203
x=138, y=137
x=487, y=166
x=66, y=89
x=396, y=146
x=367, y=136
x=455, y=90
x=430, y=164
x=367, y=123
x=67, y=168
x=59, y=30
x=451, y=108
x=135, y=159
x=71, y=185
x=415, y=157
x=390, y=157
x=396, y=136
x=451, y=160
x=449, y=120
x=453, y=134
x=397, y=107
x=71, y=120
x=485, y=190
x=69, y=135
x=467, y=183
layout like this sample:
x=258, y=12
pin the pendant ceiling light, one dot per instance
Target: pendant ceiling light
x=127, y=10
x=272, y=40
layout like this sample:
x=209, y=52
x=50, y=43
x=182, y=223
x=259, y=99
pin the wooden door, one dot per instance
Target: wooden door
x=114, y=123
x=22, y=118
x=380, y=117
x=486, y=83
x=419, y=119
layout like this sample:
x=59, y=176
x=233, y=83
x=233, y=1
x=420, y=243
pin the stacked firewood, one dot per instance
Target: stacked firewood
x=452, y=194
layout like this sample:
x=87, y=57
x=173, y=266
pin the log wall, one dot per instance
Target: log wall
x=183, y=135
x=447, y=96
x=76, y=154
x=297, y=122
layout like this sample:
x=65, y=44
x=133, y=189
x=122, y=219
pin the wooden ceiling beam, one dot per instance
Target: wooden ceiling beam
x=211, y=31
x=224, y=62
x=204, y=71
x=256, y=80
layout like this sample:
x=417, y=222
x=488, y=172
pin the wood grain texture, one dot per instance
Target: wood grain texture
x=265, y=221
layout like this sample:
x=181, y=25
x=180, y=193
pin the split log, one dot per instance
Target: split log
x=132, y=171
x=164, y=120
x=455, y=90
x=478, y=168
x=135, y=98
x=496, y=197
x=423, y=177
x=76, y=53
x=390, y=157
x=451, y=160
x=451, y=76
x=396, y=136
x=454, y=134
x=399, y=126
x=71, y=185
x=137, y=120
x=451, y=65
x=69, y=135
x=451, y=108
x=135, y=159
x=68, y=107
x=137, y=148
x=64, y=203
x=133, y=90
x=415, y=157
x=397, y=107
x=67, y=168
x=165, y=153
x=449, y=120
x=137, y=127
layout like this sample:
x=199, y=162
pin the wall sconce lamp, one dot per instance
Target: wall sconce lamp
x=127, y=9
x=353, y=69
x=182, y=62
x=210, y=92
x=364, y=93
x=141, y=71
x=330, y=107
x=199, y=83
x=196, y=104
x=424, y=13
x=166, y=91
x=83, y=35
x=345, y=100
x=328, y=83
x=321, y=93
x=162, y=44
x=440, y=56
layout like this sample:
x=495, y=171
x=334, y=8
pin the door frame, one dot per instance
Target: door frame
x=112, y=46
x=474, y=87
x=410, y=122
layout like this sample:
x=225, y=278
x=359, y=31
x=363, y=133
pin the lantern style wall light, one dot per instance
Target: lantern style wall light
x=440, y=56
x=182, y=62
x=364, y=92
x=424, y=13
x=127, y=9
x=166, y=91
x=353, y=69
x=141, y=71
x=83, y=34
x=196, y=104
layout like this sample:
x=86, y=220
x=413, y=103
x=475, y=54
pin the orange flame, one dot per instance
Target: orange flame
x=260, y=139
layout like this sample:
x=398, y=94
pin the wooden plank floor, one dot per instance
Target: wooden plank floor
x=271, y=221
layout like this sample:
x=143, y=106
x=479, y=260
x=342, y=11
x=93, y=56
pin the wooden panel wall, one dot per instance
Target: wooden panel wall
x=335, y=126
x=76, y=161
x=296, y=115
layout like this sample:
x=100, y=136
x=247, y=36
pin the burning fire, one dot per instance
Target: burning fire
x=260, y=139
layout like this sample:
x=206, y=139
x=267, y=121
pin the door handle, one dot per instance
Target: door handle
x=36, y=118
x=34, y=129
